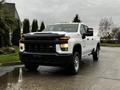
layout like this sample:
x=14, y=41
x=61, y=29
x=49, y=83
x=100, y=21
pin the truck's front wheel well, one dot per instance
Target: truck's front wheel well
x=77, y=48
x=98, y=46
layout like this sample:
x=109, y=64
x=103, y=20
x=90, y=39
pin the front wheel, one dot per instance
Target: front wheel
x=96, y=54
x=74, y=67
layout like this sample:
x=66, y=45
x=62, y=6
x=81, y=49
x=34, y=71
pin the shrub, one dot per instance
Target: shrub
x=1, y=52
x=7, y=50
x=110, y=41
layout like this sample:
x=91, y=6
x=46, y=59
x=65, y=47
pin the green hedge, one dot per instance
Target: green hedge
x=110, y=41
x=110, y=45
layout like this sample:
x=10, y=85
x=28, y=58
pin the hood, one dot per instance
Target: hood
x=61, y=32
x=57, y=32
x=49, y=34
x=44, y=35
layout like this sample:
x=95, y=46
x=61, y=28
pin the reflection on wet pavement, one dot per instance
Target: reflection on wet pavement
x=102, y=75
x=18, y=84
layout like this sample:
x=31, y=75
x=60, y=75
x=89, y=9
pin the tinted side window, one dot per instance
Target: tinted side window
x=86, y=27
x=82, y=29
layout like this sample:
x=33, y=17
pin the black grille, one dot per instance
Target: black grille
x=40, y=47
x=41, y=43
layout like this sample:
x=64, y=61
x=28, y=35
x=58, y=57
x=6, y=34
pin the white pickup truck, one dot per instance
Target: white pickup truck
x=59, y=45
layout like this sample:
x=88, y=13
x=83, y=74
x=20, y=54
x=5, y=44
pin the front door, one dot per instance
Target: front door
x=85, y=43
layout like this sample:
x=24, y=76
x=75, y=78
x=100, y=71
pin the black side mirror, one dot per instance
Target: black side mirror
x=84, y=36
x=89, y=32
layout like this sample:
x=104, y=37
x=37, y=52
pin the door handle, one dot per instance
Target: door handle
x=87, y=38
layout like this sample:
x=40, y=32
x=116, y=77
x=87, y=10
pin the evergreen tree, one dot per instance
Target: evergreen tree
x=42, y=27
x=26, y=26
x=34, y=26
x=7, y=25
x=16, y=34
x=2, y=8
x=76, y=19
x=4, y=31
x=11, y=23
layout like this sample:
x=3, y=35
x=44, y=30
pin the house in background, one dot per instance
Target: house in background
x=8, y=11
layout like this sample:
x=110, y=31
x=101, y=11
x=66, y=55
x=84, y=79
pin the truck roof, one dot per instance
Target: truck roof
x=69, y=23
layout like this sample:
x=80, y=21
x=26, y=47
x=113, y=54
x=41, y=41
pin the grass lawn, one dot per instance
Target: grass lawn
x=10, y=57
x=110, y=45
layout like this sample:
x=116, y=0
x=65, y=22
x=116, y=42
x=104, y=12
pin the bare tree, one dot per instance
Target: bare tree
x=105, y=27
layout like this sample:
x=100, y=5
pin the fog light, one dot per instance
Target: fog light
x=21, y=47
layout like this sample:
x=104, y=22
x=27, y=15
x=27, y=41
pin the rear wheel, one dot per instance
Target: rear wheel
x=74, y=67
x=31, y=67
x=96, y=54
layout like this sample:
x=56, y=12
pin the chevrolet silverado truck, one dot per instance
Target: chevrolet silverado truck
x=61, y=45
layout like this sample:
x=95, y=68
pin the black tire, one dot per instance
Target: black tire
x=96, y=54
x=74, y=67
x=31, y=67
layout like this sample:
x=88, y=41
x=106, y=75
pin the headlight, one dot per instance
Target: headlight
x=63, y=40
x=64, y=47
x=22, y=47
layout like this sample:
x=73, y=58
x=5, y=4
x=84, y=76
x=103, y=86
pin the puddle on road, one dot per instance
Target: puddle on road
x=14, y=80
x=18, y=84
x=45, y=79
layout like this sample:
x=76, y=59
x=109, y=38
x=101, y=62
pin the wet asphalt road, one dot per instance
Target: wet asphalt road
x=101, y=75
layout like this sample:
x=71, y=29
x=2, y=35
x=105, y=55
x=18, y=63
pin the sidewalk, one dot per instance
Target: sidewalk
x=8, y=67
x=5, y=69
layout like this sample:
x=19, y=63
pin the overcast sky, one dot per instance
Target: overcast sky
x=52, y=11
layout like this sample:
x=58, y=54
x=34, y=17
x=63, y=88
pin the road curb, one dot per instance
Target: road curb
x=11, y=63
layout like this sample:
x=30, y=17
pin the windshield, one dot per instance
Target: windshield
x=62, y=27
